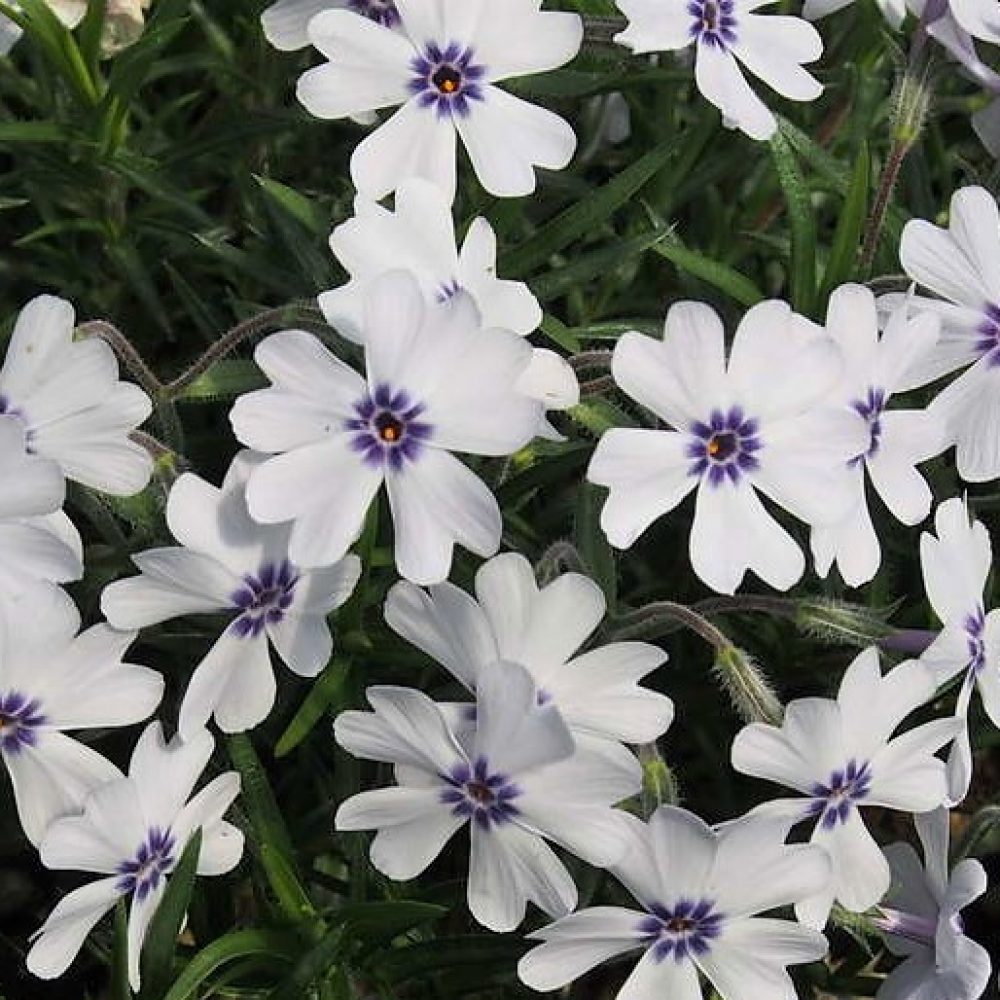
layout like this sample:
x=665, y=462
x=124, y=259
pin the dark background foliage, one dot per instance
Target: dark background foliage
x=178, y=191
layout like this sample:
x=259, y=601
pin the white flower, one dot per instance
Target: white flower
x=514, y=778
x=700, y=891
x=435, y=384
x=920, y=917
x=841, y=756
x=37, y=541
x=419, y=237
x=443, y=65
x=894, y=11
x=53, y=680
x=956, y=565
x=230, y=563
x=67, y=396
x=286, y=23
x=727, y=33
x=758, y=422
x=70, y=12
x=133, y=831
x=512, y=621
x=961, y=264
x=978, y=17
x=898, y=439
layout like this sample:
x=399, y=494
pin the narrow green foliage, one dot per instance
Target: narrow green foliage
x=726, y=279
x=120, y=988
x=326, y=690
x=802, y=220
x=842, y=264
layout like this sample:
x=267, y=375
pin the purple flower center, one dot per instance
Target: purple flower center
x=20, y=719
x=687, y=928
x=152, y=862
x=871, y=409
x=9, y=409
x=447, y=80
x=714, y=22
x=264, y=598
x=989, y=334
x=382, y=11
x=975, y=629
x=477, y=794
x=387, y=429
x=725, y=448
x=447, y=290
x=833, y=801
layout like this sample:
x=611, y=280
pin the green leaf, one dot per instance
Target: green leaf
x=120, y=988
x=842, y=263
x=382, y=921
x=592, y=543
x=270, y=834
x=298, y=206
x=32, y=132
x=224, y=380
x=984, y=823
x=165, y=927
x=325, y=691
x=313, y=965
x=586, y=215
x=476, y=952
x=728, y=280
x=278, y=947
x=560, y=334
x=802, y=279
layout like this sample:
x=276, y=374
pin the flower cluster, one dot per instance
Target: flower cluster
x=547, y=708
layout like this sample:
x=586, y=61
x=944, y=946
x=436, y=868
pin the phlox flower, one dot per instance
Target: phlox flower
x=133, y=831
x=728, y=34
x=228, y=563
x=436, y=383
x=841, y=755
x=286, y=23
x=53, y=680
x=700, y=892
x=921, y=920
x=961, y=265
x=419, y=237
x=894, y=11
x=757, y=421
x=898, y=439
x=67, y=396
x=513, y=621
x=37, y=541
x=956, y=565
x=442, y=65
x=515, y=778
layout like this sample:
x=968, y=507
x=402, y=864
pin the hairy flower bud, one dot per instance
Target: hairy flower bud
x=748, y=686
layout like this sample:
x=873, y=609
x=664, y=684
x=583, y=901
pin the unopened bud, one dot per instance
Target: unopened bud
x=659, y=786
x=837, y=623
x=748, y=686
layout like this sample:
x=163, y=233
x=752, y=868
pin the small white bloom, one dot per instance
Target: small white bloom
x=894, y=11
x=757, y=422
x=956, y=565
x=512, y=621
x=134, y=831
x=980, y=18
x=841, y=755
x=700, y=891
x=230, y=563
x=513, y=777
x=961, y=264
x=898, y=439
x=37, y=541
x=52, y=681
x=726, y=34
x=286, y=23
x=67, y=396
x=442, y=66
x=920, y=917
x=419, y=237
x=435, y=384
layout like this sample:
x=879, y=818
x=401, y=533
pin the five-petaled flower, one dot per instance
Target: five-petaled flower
x=229, y=563
x=759, y=421
x=514, y=776
x=700, y=891
x=442, y=65
x=436, y=384
x=133, y=831
x=841, y=755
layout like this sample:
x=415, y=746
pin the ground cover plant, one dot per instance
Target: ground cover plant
x=496, y=499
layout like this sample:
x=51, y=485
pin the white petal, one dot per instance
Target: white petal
x=437, y=502
x=773, y=47
x=550, y=379
x=525, y=40
x=653, y=27
x=446, y=624
x=140, y=916
x=303, y=642
x=248, y=697
x=685, y=850
x=415, y=142
x=722, y=83
x=61, y=937
x=285, y=22
x=404, y=851
x=222, y=844
x=507, y=138
x=970, y=412
x=44, y=329
x=906, y=775
x=164, y=772
x=956, y=563
x=852, y=545
x=861, y=873
x=653, y=979
x=32, y=485
x=647, y=474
